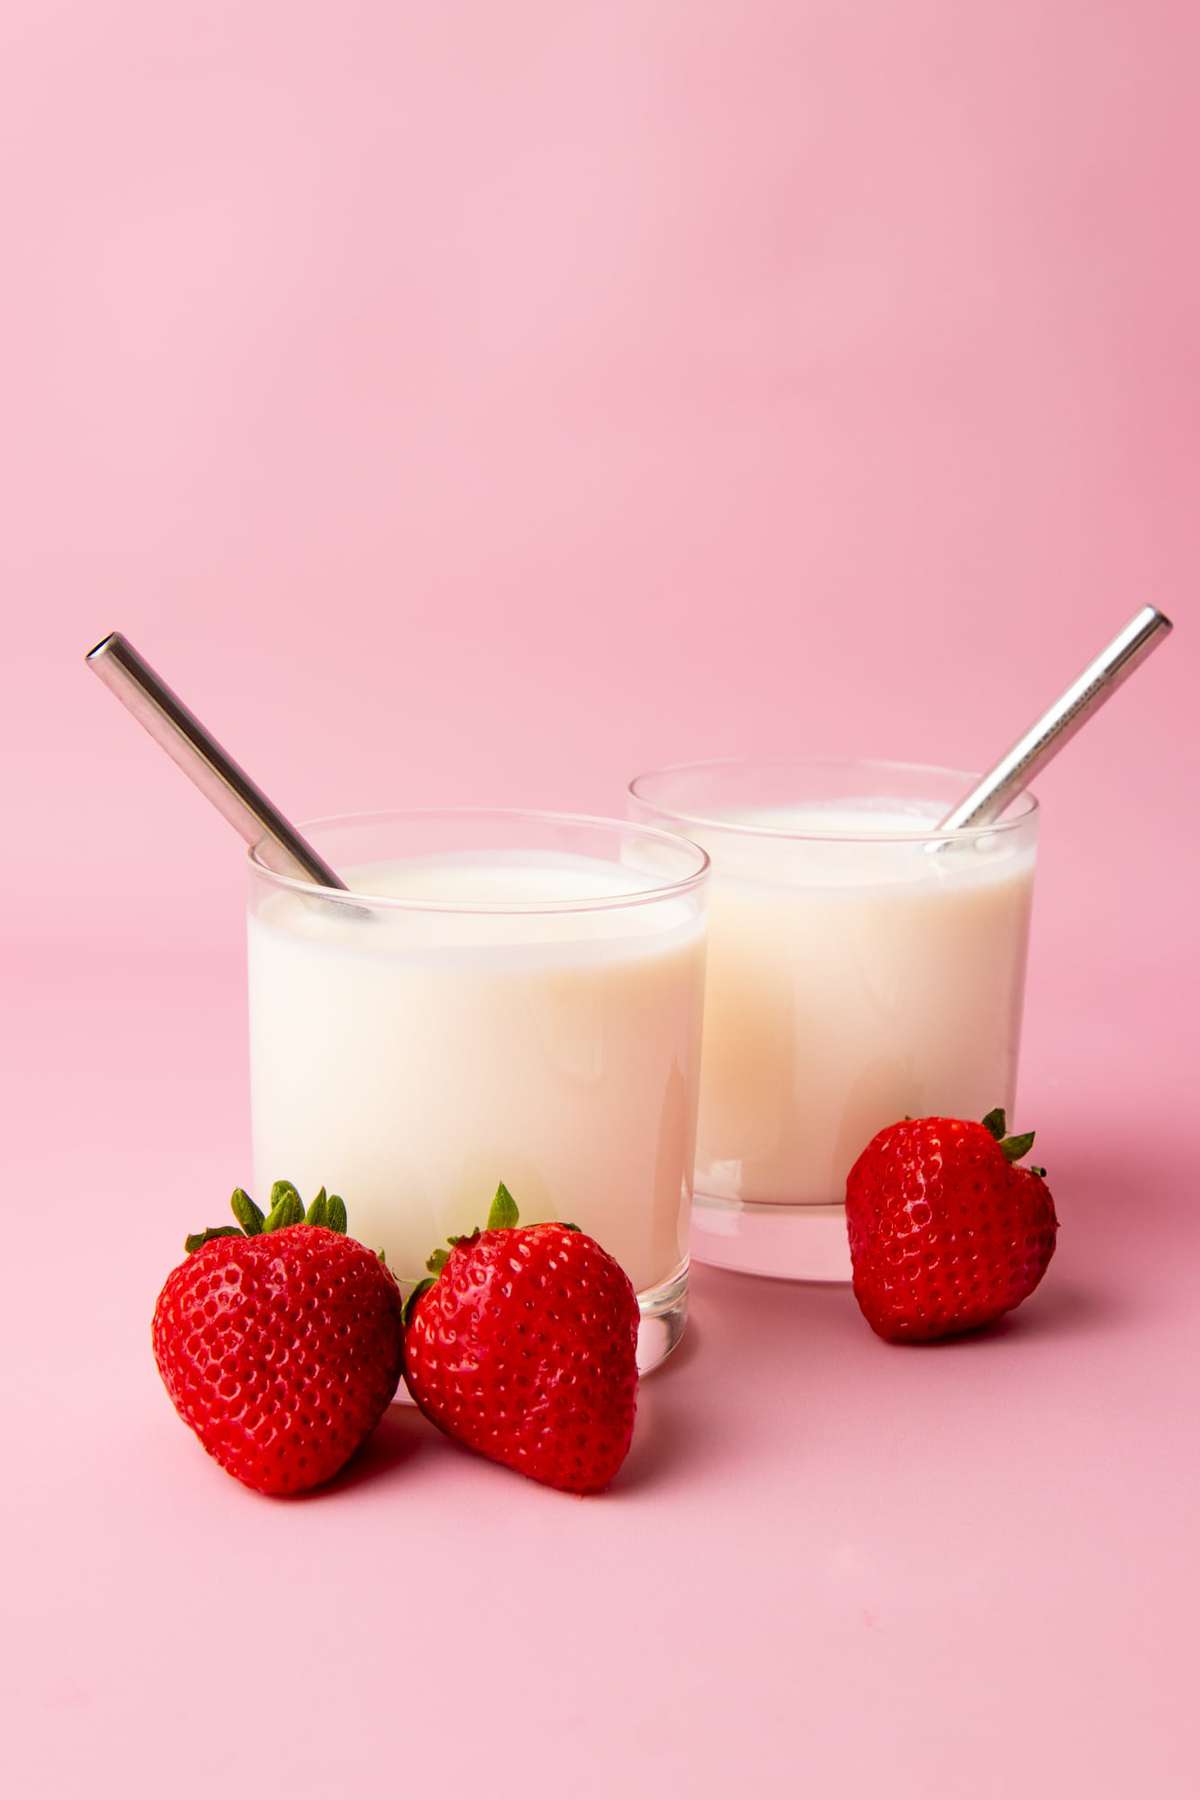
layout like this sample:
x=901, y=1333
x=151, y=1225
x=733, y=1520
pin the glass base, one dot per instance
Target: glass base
x=791, y=1243
x=664, y=1311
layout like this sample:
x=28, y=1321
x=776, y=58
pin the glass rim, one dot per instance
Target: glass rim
x=642, y=896
x=1019, y=812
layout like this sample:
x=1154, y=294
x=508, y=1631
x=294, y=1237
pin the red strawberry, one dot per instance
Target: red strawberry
x=280, y=1344
x=524, y=1348
x=946, y=1233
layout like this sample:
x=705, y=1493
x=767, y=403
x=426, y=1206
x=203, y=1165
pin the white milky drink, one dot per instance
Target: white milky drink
x=411, y=1057
x=849, y=983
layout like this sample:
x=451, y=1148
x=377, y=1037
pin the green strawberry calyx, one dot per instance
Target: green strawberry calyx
x=1014, y=1148
x=503, y=1215
x=286, y=1208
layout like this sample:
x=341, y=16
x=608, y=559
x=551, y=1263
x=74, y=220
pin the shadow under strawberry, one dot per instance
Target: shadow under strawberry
x=400, y=1440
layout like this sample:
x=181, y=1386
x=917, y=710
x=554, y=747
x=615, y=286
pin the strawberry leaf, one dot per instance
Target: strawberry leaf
x=248, y=1216
x=996, y=1123
x=503, y=1215
x=1015, y=1148
x=197, y=1239
x=287, y=1210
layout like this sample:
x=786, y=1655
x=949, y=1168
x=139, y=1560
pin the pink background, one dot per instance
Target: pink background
x=483, y=402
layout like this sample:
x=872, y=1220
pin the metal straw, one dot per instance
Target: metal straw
x=186, y=741
x=1085, y=696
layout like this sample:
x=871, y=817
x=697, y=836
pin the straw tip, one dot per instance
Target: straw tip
x=1150, y=618
x=106, y=642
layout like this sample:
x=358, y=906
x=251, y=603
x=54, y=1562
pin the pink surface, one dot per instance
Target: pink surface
x=471, y=402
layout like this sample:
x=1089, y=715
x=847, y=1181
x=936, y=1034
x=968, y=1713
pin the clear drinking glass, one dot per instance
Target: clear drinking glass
x=500, y=996
x=860, y=968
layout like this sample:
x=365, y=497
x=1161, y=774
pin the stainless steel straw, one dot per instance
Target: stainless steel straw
x=186, y=741
x=1059, y=723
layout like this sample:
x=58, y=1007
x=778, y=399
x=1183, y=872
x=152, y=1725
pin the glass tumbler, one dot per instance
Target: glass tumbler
x=860, y=967
x=500, y=996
